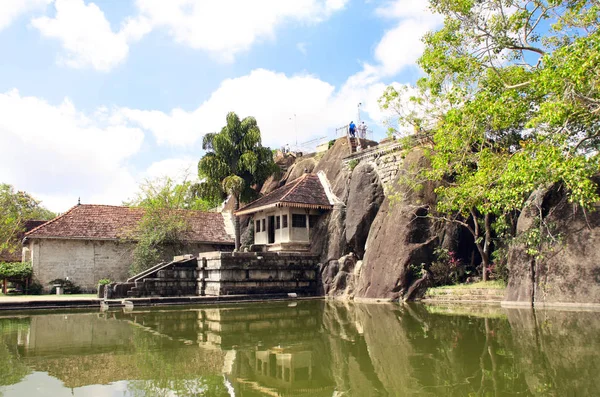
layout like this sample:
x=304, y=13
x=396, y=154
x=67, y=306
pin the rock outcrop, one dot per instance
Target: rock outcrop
x=402, y=236
x=340, y=276
x=565, y=267
x=365, y=195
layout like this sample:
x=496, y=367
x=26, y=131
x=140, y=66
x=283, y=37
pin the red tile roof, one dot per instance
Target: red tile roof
x=304, y=192
x=106, y=222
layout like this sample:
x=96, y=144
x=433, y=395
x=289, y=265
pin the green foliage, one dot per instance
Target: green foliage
x=352, y=164
x=104, y=281
x=447, y=269
x=511, y=97
x=163, y=223
x=330, y=144
x=236, y=150
x=166, y=193
x=12, y=366
x=34, y=288
x=16, y=270
x=159, y=231
x=68, y=286
x=16, y=207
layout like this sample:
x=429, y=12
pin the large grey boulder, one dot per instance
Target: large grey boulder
x=365, y=195
x=403, y=235
x=566, y=268
x=339, y=277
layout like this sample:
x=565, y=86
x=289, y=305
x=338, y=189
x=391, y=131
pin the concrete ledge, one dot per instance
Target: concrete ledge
x=553, y=305
x=51, y=304
x=147, y=301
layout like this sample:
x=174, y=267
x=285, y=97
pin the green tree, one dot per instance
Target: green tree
x=166, y=193
x=16, y=207
x=511, y=98
x=161, y=227
x=235, y=163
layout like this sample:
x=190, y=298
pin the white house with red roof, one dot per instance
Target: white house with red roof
x=283, y=219
x=91, y=242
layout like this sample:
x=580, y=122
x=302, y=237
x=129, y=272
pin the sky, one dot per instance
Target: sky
x=98, y=96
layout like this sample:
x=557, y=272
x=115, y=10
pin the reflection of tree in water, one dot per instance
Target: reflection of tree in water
x=168, y=368
x=312, y=348
x=12, y=369
x=461, y=355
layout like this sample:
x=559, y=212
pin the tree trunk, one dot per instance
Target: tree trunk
x=485, y=247
x=236, y=221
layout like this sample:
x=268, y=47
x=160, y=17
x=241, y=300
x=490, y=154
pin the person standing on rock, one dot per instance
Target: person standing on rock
x=362, y=130
x=352, y=129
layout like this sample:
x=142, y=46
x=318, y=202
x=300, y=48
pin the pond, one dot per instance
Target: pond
x=303, y=348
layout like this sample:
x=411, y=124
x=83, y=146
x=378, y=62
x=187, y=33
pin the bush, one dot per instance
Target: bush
x=34, y=288
x=104, y=281
x=447, y=269
x=16, y=270
x=68, y=286
x=331, y=143
x=352, y=164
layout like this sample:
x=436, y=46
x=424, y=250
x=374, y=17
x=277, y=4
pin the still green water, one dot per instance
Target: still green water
x=305, y=348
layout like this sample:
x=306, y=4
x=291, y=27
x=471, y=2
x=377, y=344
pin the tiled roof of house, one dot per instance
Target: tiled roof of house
x=106, y=222
x=305, y=192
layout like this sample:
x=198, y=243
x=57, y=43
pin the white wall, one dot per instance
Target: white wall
x=85, y=262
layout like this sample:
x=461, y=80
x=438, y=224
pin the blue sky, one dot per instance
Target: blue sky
x=96, y=96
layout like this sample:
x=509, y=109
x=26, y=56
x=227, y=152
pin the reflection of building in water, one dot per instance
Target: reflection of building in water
x=283, y=366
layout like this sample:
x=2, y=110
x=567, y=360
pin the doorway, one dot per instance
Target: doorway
x=271, y=230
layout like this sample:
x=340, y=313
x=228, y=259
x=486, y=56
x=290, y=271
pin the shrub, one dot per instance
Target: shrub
x=447, y=269
x=104, y=281
x=331, y=143
x=352, y=164
x=16, y=270
x=34, y=288
x=68, y=286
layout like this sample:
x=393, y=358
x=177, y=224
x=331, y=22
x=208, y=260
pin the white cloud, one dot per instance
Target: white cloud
x=86, y=35
x=222, y=28
x=401, y=46
x=227, y=27
x=58, y=153
x=12, y=9
x=178, y=169
x=273, y=98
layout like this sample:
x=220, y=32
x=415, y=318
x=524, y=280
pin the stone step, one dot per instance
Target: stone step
x=469, y=291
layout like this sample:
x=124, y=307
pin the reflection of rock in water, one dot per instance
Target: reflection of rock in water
x=558, y=350
x=313, y=348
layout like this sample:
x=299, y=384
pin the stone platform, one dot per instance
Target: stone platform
x=223, y=273
x=232, y=273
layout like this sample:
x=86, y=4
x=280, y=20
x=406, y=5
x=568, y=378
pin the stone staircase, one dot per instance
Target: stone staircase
x=352, y=143
x=470, y=295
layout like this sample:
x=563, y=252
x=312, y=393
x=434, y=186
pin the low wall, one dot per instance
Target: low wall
x=227, y=273
x=386, y=159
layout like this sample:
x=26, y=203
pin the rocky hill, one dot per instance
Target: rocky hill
x=374, y=241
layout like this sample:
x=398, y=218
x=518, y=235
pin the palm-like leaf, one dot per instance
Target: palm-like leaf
x=235, y=162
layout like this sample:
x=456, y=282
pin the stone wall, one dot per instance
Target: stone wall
x=226, y=273
x=85, y=262
x=386, y=159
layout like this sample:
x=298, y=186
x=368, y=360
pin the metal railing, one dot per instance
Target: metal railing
x=343, y=131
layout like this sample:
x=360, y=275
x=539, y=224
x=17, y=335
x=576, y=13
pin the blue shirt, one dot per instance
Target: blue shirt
x=352, y=126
